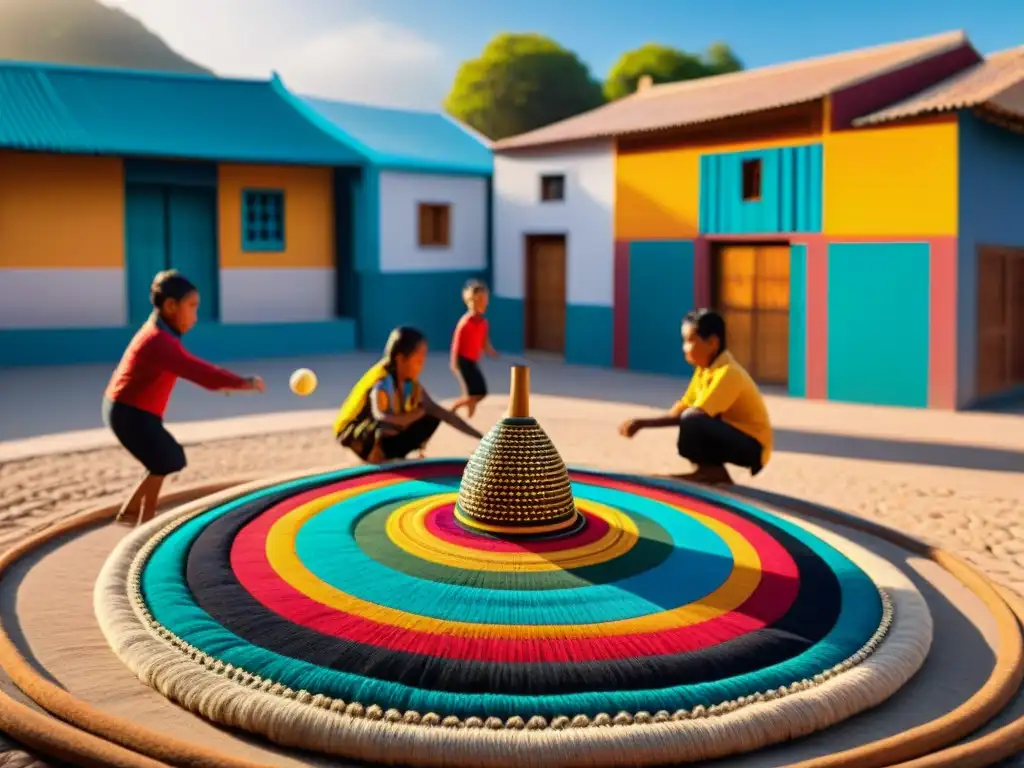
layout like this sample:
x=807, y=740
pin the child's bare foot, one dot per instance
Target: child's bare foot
x=130, y=512
x=470, y=409
x=148, y=510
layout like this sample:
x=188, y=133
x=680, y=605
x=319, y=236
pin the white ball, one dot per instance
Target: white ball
x=302, y=382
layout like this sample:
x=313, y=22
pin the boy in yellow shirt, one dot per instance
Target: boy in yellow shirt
x=722, y=418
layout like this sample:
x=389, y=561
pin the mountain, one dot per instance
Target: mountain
x=84, y=32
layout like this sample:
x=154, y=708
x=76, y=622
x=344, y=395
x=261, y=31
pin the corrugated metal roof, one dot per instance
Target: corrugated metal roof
x=406, y=139
x=995, y=81
x=82, y=110
x=756, y=90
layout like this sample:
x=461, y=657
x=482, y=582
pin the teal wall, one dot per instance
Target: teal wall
x=218, y=343
x=878, y=323
x=366, y=220
x=791, y=192
x=798, y=320
x=430, y=301
x=508, y=324
x=660, y=294
x=588, y=335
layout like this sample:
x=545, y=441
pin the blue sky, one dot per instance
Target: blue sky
x=406, y=52
x=760, y=32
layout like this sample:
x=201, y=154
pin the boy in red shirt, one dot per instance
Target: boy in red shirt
x=140, y=388
x=471, y=339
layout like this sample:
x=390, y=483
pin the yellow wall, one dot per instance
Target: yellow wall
x=61, y=211
x=892, y=180
x=308, y=210
x=657, y=192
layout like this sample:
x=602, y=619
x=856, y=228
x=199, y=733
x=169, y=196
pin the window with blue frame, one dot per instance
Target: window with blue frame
x=263, y=220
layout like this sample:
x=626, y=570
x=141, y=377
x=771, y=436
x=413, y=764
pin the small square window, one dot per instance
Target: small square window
x=435, y=225
x=552, y=188
x=262, y=220
x=752, y=180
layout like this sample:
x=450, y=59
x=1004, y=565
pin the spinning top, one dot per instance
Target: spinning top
x=515, y=483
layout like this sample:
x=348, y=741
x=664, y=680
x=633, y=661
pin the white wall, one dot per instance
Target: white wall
x=586, y=217
x=62, y=298
x=277, y=295
x=400, y=196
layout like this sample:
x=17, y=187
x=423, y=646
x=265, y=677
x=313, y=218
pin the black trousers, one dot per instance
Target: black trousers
x=412, y=438
x=144, y=436
x=472, y=377
x=709, y=441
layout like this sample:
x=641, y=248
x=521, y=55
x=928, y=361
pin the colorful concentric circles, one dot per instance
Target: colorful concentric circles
x=354, y=613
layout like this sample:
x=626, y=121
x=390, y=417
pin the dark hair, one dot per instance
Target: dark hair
x=473, y=287
x=403, y=340
x=169, y=284
x=707, y=323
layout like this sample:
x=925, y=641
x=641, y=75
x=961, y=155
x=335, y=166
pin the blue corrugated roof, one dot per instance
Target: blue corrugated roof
x=83, y=110
x=405, y=139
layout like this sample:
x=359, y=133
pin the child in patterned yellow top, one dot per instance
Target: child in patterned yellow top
x=722, y=418
x=388, y=413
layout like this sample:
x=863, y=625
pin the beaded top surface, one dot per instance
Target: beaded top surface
x=516, y=478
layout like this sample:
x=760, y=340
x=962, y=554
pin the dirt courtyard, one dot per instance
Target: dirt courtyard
x=956, y=480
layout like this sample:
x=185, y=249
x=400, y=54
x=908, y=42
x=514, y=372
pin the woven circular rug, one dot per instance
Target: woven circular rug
x=360, y=613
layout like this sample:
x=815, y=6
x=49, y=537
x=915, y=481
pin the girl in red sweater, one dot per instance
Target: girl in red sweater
x=137, y=395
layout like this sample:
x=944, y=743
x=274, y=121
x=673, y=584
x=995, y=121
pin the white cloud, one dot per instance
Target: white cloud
x=371, y=61
x=355, y=57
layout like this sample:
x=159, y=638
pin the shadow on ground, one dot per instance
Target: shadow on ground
x=42, y=401
x=899, y=451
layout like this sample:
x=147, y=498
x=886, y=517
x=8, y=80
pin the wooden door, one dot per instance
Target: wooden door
x=771, y=314
x=545, y=294
x=735, y=284
x=752, y=293
x=1000, y=319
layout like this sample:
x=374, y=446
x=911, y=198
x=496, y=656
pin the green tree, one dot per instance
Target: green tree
x=521, y=82
x=720, y=59
x=666, y=65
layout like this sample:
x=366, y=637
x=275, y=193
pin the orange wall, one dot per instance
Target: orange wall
x=61, y=211
x=309, y=216
x=893, y=180
x=657, y=191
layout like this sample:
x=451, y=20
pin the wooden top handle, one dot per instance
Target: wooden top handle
x=519, y=393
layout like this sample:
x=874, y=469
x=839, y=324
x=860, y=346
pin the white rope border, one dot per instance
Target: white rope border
x=219, y=693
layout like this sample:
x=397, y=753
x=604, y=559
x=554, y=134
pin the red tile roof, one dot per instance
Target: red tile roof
x=996, y=82
x=714, y=98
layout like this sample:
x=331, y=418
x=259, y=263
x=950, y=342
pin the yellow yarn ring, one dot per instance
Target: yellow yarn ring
x=281, y=554
x=407, y=528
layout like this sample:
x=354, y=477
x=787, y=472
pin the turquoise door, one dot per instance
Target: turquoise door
x=170, y=227
x=145, y=245
x=192, y=242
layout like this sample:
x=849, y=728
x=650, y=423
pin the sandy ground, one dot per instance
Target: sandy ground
x=956, y=480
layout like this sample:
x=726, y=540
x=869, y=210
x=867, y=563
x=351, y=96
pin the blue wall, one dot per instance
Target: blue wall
x=991, y=213
x=878, y=323
x=797, y=384
x=219, y=343
x=430, y=301
x=791, y=192
x=588, y=335
x=660, y=294
x=508, y=324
